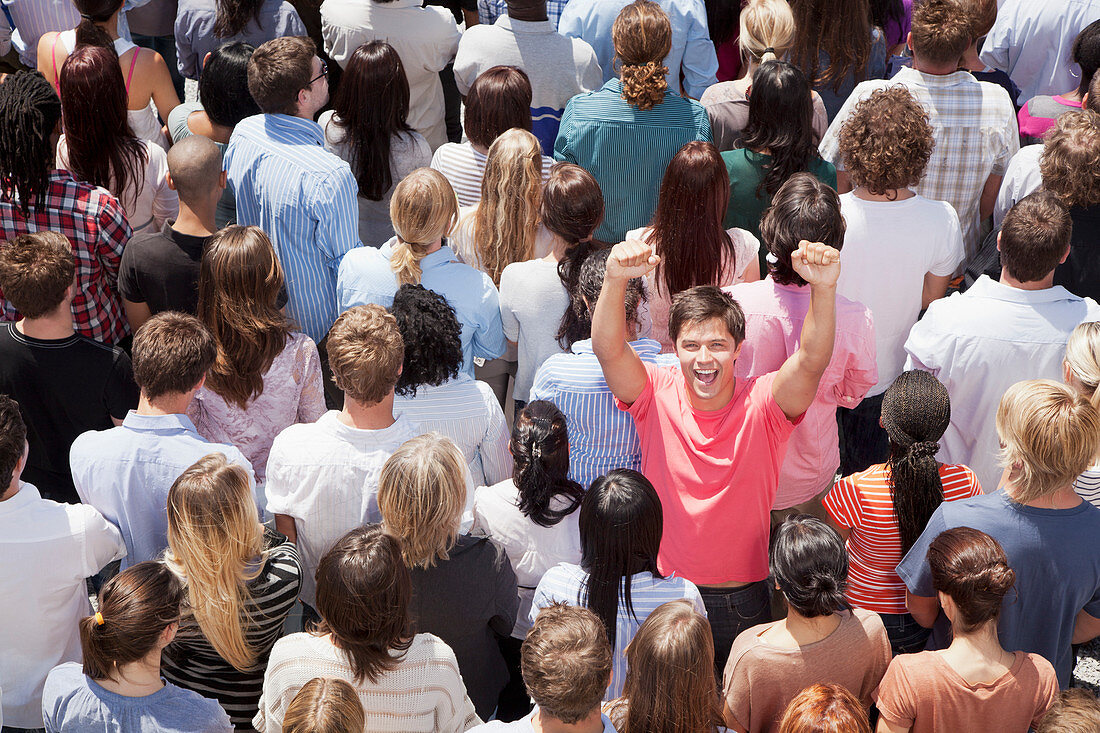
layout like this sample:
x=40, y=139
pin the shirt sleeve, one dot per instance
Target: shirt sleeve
x=120, y=394
x=114, y=233
x=507, y=596
x=129, y=285
x=496, y=459
x=923, y=344
x=830, y=143
x=102, y=541
x=337, y=215
x=311, y=399
x=639, y=409
x=465, y=68
x=187, y=60
x=562, y=147
x=861, y=366
x=913, y=568
x=894, y=697
x=591, y=75
x=511, y=288
x=543, y=386
x=844, y=503
x=488, y=340
x=949, y=247
x=999, y=42
x=700, y=62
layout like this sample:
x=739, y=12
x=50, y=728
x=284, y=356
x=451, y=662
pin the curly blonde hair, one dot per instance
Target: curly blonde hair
x=1070, y=163
x=642, y=35
x=887, y=141
x=511, y=191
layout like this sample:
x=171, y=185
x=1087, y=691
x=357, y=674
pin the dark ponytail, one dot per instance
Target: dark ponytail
x=134, y=608
x=92, y=13
x=581, y=272
x=916, y=410
x=808, y=560
x=540, y=449
x=234, y=16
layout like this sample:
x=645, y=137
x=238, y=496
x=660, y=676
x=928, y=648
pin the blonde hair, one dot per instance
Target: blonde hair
x=1083, y=359
x=642, y=34
x=423, y=210
x=365, y=353
x=1049, y=435
x=421, y=493
x=325, y=705
x=767, y=30
x=214, y=538
x=511, y=191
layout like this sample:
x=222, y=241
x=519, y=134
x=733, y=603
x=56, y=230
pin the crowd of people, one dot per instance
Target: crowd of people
x=560, y=366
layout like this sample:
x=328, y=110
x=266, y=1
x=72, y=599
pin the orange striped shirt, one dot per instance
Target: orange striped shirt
x=862, y=503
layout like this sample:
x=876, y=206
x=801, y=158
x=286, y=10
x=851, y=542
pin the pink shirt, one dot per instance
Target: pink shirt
x=716, y=473
x=773, y=329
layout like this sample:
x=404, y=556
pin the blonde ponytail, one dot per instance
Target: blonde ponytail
x=1083, y=359
x=767, y=30
x=423, y=211
x=405, y=261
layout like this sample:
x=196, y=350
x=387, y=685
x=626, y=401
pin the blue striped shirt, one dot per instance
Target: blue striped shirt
x=304, y=198
x=627, y=149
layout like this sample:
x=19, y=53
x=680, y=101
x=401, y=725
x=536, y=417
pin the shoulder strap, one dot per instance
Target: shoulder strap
x=133, y=63
x=53, y=60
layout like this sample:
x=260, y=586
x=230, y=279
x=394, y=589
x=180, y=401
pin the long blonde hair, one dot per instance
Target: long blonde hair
x=511, y=190
x=1083, y=359
x=423, y=209
x=214, y=539
x=767, y=30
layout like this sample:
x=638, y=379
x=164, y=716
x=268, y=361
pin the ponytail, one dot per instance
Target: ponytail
x=644, y=86
x=642, y=35
x=540, y=449
x=405, y=262
x=423, y=210
x=92, y=13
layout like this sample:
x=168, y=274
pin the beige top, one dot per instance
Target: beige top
x=760, y=680
x=728, y=110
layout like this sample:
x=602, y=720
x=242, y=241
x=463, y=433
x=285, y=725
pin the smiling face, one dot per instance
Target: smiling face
x=707, y=353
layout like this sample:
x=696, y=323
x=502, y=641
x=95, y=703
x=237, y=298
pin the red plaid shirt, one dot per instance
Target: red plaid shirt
x=97, y=229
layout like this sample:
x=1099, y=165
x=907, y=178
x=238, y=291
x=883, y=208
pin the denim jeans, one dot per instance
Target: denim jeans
x=905, y=634
x=863, y=442
x=732, y=610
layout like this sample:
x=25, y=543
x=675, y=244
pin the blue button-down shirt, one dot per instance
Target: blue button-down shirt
x=366, y=277
x=304, y=198
x=125, y=472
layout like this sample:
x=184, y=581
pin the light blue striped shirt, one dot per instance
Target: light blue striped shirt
x=366, y=277
x=304, y=198
x=562, y=584
x=35, y=18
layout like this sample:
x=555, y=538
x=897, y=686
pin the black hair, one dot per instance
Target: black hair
x=621, y=523
x=29, y=111
x=93, y=12
x=540, y=451
x=1086, y=54
x=432, y=337
x=723, y=19
x=883, y=11
x=808, y=560
x=582, y=275
x=234, y=15
x=223, y=86
x=781, y=120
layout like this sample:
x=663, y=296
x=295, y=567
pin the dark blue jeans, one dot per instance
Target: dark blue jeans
x=905, y=634
x=732, y=610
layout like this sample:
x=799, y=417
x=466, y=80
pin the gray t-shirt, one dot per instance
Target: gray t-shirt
x=73, y=701
x=1057, y=562
x=532, y=302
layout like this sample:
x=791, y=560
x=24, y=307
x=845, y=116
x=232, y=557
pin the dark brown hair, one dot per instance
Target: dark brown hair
x=35, y=271
x=136, y=606
x=840, y=28
x=94, y=13
x=983, y=14
x=642, y=34
x=172, y=353
x=701, y=304
x=886, y=141
x=13, y=439
x=566, y=662
x=498, y=100
x=781, y=114
x=970, y=566
x=1034, y=236
x=583, y=281
x=809, y=563
x=278, y=70
x=233, y=16
x=825, y=709
x=1070, y=162
x=941, y=31
x=363, y=594
x=802, y=208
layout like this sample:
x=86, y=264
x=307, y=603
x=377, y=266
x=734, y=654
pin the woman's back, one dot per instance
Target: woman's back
x=746, y=170
x=834, y=98
x=196, y=30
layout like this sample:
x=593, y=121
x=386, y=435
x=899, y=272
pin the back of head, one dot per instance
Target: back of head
x=1082, y=359
x=278, y=70
x=540, y=451
x=1070, y=163
x=941, y=32
x=969, y=566
x=172, y=353
x=1092, y=102
x=1086, y=54
x=423, y=210
x=810, y=565
x=432, y=336
x=195, y=164
x=781, y=121
x=13, y=440
x=983, y=14
x=704, y=303
x=363, y=595
x=511, y=191
x=365, y=353
x=825, y=709
x=583, y=280
x=803, y=208
x=1074, y=711
x=234, y=16
x=1050, y=435
x=421, y=494
x=93, y=15
x=566, y=662
x=135, y=607
x=840, y=28
x=1034, y=236
x=29, y=111
x=214, y=539
x=767, y=29
x=36, y=271
x=642, y=34
x=498, y=100
x=572, y=203
x=886, y=141
x=324, y=705
x=223, y=86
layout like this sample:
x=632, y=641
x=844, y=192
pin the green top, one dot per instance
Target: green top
x=746, y=169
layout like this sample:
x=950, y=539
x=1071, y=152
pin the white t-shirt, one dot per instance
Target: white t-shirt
x=889, y=246
x=1021, y=178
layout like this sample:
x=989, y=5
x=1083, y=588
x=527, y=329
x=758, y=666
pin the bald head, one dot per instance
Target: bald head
x=195, y=164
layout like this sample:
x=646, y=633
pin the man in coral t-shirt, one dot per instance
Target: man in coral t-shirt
x=712, y=444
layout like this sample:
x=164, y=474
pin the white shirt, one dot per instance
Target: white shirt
x=325, y=475
x=464, y=167
x=531, y=548
x=1032, y=40
x=48, y=550
x=982, y=342
x=525, y=725
x=923, y=236
x=1021, y=178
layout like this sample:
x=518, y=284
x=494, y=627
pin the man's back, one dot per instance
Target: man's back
x=982, y=342
x=161, y=269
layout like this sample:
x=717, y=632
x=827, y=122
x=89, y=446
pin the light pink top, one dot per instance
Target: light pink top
x=293, y=393
x=773, y=328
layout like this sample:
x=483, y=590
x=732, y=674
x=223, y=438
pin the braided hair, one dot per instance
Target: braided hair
x=29, y=111
x=916, y=410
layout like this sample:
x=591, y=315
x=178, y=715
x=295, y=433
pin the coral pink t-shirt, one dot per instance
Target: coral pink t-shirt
x=716, y=473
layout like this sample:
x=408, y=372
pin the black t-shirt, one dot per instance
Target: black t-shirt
x=161, y=269
x=1080, y=273
x=64, y=387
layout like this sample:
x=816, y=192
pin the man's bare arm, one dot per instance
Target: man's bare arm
x=623, y=370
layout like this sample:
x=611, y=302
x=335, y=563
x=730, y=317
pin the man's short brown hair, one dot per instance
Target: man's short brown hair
x=983, y=14
x=172, y=353
x=566, y=662
x=941, y=31
x=701, y=304
x=1070, y=163
x=365, y=352
x=886, y=141
x=35, y=271
x=278, y=70
x=1034, y=236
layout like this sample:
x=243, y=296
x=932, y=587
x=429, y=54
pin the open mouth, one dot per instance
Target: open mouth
x=706, y=376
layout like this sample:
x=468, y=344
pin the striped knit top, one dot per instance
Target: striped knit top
x=191, y=662
x=1087, y=485
x=862, y=503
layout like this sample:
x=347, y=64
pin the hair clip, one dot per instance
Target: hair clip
x=99, y=619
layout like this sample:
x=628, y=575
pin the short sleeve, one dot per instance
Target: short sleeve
x=736, y=679
x=1048, y=688
x=894, y=697
x=639, y=409
x=129, y=285
x=511, y=290
x=924, y=343
x=102, y=541
x=282, y=487
x=844, y=503
x=949, y=251
x=120, y=395
x=763, y=400
x=311, y=397
x=913, y=568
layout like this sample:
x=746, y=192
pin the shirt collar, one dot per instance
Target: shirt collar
x=613, y=84
x=153, y=423
x=297, y=126
x=441, y=256
x=524, y=26
x=987, y=287
x=640, y=346
x=908, y=73
x=27, y=494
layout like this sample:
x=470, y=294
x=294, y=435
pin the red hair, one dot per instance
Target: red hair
x=824, y=709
